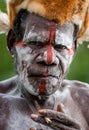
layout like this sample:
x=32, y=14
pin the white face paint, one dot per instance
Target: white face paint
x=31, y=75
x=64, y=40
x=23, y=61
x=41, y=66
x=64, y=35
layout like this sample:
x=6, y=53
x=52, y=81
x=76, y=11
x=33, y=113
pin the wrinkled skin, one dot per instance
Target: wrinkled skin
x=42, y=59
x=39, y=98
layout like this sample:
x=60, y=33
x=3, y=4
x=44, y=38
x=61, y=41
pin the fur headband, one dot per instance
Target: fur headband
x=76, y=11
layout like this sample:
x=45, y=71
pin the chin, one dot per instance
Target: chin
x=41, y=87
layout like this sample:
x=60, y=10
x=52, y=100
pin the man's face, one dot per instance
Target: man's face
x=44, y=54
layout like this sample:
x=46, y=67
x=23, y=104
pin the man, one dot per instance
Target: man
x=39, y=98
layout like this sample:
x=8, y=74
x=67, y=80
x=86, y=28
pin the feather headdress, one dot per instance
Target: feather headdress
x=76, y=11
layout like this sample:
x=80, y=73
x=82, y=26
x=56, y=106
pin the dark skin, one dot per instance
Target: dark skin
x=39, y=98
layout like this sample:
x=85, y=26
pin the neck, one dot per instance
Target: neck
x=39, y=102
x=29, y=96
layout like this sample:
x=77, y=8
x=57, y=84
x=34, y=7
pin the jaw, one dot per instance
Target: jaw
x=40, y=86
x=38, y=83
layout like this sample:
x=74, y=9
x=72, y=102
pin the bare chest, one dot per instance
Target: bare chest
x=15, y=114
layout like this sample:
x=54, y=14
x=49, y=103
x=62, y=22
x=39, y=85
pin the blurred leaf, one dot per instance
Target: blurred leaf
x=80, y=66
x=3, y=5
x=6, y=61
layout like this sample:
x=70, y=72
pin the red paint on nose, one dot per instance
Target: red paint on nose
x=42, y=88
x=49, y=54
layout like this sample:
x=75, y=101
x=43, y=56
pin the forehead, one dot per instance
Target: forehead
x=33, y=27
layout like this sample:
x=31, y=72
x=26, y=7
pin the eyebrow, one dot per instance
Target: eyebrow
x=34, y=36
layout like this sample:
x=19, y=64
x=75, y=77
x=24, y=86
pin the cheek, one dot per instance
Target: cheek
x=24, y=53
x=23, y=59
x=70, y=51
x=66, y=59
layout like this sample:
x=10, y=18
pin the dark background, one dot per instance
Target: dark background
x=79, y=68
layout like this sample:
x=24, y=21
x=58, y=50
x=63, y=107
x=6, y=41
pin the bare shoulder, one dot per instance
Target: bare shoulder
x=79, y=92
x=8, y=85
x=76, y=87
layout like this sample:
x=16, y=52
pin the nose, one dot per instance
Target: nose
x=48, y=56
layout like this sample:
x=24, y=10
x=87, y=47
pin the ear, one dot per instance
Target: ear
x=11, y=39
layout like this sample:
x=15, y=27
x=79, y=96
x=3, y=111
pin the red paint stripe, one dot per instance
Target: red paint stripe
x=52, y=33
x=49, y=54
x=42, y=88
x=19, y=44
x=71, y=51
x=50, y=41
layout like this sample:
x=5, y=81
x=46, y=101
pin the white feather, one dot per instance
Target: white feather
x=11, y=1
x=4, y=23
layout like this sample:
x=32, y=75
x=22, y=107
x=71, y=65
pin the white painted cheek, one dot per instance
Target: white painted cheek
x=62, y=61
x=24, y=54
x=27, y=55
x=22, y=63
x=65, y=60
x=69, y=55
x=55, y=58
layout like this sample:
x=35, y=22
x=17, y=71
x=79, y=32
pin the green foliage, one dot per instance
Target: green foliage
x=3, y=5
x=6, y=61
x=79, y=68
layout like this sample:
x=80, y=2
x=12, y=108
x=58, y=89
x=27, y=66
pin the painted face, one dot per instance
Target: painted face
x=44, y=54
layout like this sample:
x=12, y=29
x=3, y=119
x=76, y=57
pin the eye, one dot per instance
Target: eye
x=60, y=47
x=38, y=44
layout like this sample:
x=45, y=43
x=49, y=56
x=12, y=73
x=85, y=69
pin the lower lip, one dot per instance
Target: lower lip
x=44, y=78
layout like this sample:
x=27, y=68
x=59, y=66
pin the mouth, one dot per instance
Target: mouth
x=42, y=76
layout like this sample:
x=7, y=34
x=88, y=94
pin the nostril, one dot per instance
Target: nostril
x=43, y=63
